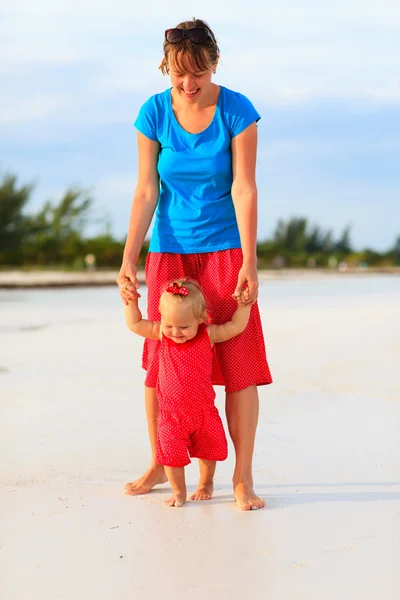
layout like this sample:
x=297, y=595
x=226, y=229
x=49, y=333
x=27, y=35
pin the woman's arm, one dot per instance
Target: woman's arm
x=244, y=195
x=143, y=206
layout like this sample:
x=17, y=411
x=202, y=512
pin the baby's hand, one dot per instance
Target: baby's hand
x=127, y=285
x=244, y=296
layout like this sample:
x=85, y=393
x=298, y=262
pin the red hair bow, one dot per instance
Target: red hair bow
x=177, y=288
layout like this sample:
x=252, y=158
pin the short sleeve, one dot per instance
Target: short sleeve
x=147, y=119
x=239, y=113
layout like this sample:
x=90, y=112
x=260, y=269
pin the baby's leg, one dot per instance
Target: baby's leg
x=176, y=478
x=206, y=482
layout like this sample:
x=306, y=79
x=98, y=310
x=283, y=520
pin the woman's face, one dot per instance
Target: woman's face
x=191, y=85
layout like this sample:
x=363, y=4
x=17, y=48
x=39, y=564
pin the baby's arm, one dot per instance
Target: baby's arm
x=136, y=323
x=222, y=333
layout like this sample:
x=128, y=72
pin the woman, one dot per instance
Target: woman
x=197, y=145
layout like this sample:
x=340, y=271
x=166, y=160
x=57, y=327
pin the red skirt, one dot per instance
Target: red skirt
x=241, y=361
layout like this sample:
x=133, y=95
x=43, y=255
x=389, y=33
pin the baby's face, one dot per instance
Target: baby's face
x=178, y=322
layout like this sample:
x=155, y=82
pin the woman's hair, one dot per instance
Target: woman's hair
x=194, y=298
x=200, y=56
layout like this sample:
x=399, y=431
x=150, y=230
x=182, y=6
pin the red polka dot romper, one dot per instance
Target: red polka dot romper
x=188, y=420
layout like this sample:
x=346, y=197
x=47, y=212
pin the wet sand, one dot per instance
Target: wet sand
x=327, y=461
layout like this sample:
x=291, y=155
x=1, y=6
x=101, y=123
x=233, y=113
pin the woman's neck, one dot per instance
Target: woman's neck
x=207, y=100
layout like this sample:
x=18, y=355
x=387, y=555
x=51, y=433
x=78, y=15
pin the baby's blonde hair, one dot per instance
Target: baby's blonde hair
x=194, y=298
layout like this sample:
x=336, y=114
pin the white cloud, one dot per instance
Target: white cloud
x=306, y=33
x=275, y=154
x=70, y=67
x=36, y=106
x=367, y=95
x=286, y=53
x=277, y=148
x=139, y=75
x=116, y=185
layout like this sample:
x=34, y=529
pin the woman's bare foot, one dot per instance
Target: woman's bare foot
x=177, y=499
x=246, y=498
x=146, y=482
x=204, y=492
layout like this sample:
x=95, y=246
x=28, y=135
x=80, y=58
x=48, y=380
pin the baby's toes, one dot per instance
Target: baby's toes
x=177, y=500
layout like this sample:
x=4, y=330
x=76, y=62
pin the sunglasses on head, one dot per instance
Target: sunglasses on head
x=197, y=35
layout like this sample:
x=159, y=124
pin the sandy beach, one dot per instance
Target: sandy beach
x=327, y=462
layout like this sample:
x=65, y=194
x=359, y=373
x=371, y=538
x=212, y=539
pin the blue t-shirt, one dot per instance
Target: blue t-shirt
x=195, y=211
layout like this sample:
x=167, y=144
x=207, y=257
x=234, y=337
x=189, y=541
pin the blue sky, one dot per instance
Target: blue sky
x=326, y=80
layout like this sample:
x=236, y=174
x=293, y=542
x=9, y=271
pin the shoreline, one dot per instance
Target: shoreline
x=18, y=279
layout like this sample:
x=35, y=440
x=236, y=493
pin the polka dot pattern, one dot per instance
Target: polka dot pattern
x=237, y=363
x=188, y=420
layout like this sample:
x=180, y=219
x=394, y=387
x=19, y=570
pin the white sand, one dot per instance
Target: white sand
x=73, y=430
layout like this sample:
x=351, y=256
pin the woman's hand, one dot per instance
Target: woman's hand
x=128, y=283
x=247, y=277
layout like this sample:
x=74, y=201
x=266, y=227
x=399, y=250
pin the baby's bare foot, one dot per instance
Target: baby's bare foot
x=177, y=499
x=203, y=492
x=246, y=498
x=144, y=484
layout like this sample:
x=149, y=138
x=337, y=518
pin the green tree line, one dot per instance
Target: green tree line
x=55, y=236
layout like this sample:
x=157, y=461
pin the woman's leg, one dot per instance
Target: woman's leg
x=155, y=474
x=242, y=415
